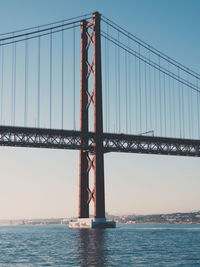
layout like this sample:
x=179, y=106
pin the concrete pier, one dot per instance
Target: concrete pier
x=92, y=223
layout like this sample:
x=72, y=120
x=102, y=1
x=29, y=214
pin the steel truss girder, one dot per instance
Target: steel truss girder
x=151, y=145
x=64, y=139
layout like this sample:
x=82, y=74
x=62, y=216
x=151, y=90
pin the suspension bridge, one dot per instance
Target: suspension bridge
x=127, y=96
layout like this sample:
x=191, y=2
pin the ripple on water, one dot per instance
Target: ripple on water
x=127, y=245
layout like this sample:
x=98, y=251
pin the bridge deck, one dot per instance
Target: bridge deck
x=64, y=139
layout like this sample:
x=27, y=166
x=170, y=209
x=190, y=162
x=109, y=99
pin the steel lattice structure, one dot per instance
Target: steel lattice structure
x=64, y=139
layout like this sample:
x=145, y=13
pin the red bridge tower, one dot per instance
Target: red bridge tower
x=91, y=68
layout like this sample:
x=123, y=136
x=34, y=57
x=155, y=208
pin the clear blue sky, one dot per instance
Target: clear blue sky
x=44, y=183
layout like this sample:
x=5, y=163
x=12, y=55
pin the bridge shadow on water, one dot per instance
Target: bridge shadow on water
x=91, y=249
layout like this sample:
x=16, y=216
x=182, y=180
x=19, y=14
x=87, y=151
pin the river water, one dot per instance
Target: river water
x=127, y=245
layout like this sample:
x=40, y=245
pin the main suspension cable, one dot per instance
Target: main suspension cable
x=151, y=63
x=150, y=48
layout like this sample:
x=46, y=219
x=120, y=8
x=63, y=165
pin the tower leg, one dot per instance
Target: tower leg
x=83, y=186
x=99, y=203
x=91, y=37
x=83, y=165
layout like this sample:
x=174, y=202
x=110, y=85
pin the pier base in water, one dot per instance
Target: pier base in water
x=92, y=223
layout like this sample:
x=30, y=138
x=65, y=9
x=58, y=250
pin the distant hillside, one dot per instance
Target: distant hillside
x=189, y=217
x=171, y=218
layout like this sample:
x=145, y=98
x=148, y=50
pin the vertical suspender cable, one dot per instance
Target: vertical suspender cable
x=38, y=102
x=160, y=97
x=165, y=111
x=62, y=85
x=150, y=93
x=170, y=102
x=189, y=109
x=26, y=84
x=105, y=82
x=155, y=101
x=174, y=107
x=183, y=117
x=140, y=91
x=50, y=82
x=129, y=89
x=126, y=92
x=116, y=92
x=119, y=95
x=179, y=104
x=15, y=76
x=136, y=96
x=191, y=113
x=0, y=72
x=74, y=78
x=145, y=88
x=108, y=82
x=14, y=86
x=2, y=81
x=198, y=117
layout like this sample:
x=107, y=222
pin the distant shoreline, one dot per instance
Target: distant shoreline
x=172, y=218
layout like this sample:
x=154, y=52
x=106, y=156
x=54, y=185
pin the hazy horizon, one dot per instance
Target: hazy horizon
x=120, y=215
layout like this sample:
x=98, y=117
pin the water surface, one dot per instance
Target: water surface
x=127, y=245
